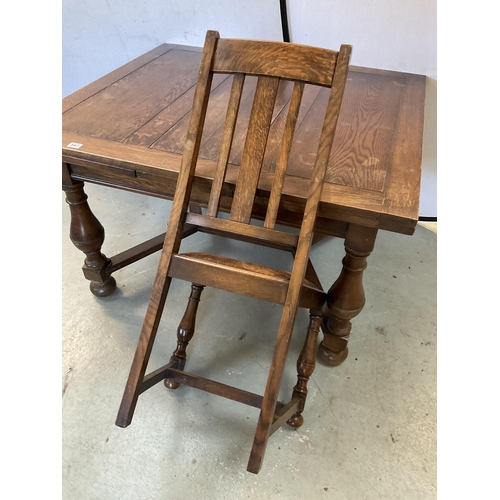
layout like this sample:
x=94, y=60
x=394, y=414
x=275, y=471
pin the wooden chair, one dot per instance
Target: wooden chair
x=271, y=62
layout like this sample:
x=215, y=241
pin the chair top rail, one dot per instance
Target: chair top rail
x=289, y=61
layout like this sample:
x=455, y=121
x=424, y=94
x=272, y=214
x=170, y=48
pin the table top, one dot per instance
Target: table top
x=127, y=129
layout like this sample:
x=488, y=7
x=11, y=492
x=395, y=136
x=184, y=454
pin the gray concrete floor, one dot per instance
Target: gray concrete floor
x=370, y=424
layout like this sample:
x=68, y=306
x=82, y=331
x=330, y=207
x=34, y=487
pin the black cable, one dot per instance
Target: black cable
x=284, y=21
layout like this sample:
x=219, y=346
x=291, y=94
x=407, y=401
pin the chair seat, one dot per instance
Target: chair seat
x=243, y=278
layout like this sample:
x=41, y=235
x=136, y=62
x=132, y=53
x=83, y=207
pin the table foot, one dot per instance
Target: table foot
x=103, y=289
x=346, y=297
x=336, y=352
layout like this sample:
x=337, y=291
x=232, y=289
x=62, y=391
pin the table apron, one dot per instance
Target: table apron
x=332, y=219
x=163, y=187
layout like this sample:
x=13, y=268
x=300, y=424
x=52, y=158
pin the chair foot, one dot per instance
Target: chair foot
x=171, y=384
x=295, y=420
x=185, y=333
x=255, y=462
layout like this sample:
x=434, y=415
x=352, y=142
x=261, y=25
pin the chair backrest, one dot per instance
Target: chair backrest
x=270, y=62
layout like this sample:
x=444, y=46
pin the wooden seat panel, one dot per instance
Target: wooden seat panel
x=243, y=278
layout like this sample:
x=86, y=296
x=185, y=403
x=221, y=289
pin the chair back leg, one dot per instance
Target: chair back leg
x=152, y=319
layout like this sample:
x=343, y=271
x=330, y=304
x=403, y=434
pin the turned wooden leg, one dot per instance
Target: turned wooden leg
x=87, y=234
x=185, y=332
x=346, y=297
x=305, y=368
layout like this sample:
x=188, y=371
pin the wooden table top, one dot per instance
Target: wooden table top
x=127, y=130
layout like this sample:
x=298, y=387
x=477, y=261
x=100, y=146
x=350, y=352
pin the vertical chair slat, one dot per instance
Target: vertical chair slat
x=253, y=151
x=281, y=164
x=226, y=142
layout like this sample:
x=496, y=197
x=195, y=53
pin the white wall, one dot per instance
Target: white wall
x=100, y=35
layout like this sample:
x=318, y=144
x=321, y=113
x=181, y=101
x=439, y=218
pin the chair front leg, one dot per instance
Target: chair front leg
x=305, y=367
x=185, y=332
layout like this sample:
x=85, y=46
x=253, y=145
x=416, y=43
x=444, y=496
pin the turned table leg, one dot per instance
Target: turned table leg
x=346, y=297
x=87, y=234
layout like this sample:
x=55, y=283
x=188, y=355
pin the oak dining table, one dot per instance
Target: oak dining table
x=126, y=130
